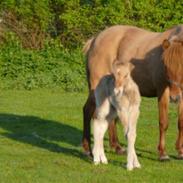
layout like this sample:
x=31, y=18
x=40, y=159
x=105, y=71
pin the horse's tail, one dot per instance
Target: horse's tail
x=87, y=47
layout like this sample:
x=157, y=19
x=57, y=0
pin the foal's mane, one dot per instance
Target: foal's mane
x=173, y=57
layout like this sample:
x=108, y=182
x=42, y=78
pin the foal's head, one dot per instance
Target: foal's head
x=121, y=73
x=173, y=62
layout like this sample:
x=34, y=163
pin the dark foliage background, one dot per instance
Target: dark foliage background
x=41, y=41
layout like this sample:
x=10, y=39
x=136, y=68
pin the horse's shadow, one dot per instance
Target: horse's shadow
x=47, y=134
x=42, y=133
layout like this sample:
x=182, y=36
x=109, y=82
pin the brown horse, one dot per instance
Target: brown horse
x=157, y=68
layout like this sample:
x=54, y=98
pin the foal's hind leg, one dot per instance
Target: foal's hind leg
x=88, y=111
x=179, y=143
x=113, y=138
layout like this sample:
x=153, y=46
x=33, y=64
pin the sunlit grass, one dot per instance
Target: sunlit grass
x=40, y=142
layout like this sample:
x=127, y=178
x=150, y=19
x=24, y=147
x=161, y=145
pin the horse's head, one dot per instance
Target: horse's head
x=173, y=62
x=121, y=73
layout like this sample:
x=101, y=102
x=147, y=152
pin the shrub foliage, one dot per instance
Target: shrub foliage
x=40, y=41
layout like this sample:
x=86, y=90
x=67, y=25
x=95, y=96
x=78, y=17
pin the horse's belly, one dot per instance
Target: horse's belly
x=143, y=79
x=147, y=92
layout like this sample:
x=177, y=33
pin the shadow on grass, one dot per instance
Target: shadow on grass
x=42, y=133
x=50, y=135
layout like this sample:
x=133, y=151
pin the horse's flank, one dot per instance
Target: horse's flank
x=130, y=44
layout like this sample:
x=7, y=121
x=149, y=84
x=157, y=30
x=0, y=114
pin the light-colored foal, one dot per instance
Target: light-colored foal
x=116, y=96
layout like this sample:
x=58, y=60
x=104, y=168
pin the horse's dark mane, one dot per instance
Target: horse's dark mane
x=173, y=57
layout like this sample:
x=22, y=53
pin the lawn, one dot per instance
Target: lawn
x=40, y=142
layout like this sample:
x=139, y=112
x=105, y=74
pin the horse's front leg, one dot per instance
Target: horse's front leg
x=179, y=143
x=113, y=138
x=163, y=104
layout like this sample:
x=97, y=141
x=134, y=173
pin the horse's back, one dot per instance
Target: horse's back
x=106, y=47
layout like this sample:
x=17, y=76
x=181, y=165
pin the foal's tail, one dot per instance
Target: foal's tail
x=86, y=49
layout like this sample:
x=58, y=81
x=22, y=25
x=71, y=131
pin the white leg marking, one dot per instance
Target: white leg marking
x=132, y=159
x=100, y=127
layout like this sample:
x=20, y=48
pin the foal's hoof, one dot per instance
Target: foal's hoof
x=164, y=158
x=96, y=163
x=129, y=168
x=180, y=157
x=120, y=150
x=137, y=165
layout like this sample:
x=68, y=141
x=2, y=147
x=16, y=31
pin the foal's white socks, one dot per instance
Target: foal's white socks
x=132, y=162
x=100, y=127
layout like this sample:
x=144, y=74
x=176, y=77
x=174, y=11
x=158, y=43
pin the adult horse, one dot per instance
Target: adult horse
x=156, y=66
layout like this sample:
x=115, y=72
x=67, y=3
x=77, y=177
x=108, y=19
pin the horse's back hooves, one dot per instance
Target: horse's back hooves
x=121, y=151
x=88, y=154
x=164, y=158
x=180, y=157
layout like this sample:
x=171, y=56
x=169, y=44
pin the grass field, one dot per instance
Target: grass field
x=40, y=142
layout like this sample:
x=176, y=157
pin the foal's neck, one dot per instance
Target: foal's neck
x=131, y=91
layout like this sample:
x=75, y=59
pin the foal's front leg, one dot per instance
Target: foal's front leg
x=99, y=128
x=132, y=160
x=129, y=124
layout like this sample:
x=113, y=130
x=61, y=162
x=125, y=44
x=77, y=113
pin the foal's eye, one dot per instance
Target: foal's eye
x=126, y=76
x=119, y=74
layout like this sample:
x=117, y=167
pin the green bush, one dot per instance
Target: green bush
x=41, y=40
x=74, y=21
x=50, y=67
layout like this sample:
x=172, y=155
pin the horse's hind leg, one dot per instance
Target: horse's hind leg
x=113, y=138
x=179, y=143
x=88, y=111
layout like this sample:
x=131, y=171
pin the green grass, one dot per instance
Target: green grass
x=40, y=142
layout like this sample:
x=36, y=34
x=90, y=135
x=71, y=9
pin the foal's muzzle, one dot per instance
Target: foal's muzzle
x=175, y=99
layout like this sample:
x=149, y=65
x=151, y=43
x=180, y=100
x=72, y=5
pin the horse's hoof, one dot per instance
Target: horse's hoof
x=164, y=158
x=180, y=157
x=120, y=151
x=88, y=154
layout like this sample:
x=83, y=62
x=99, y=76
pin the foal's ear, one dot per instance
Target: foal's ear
x=166, y=44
